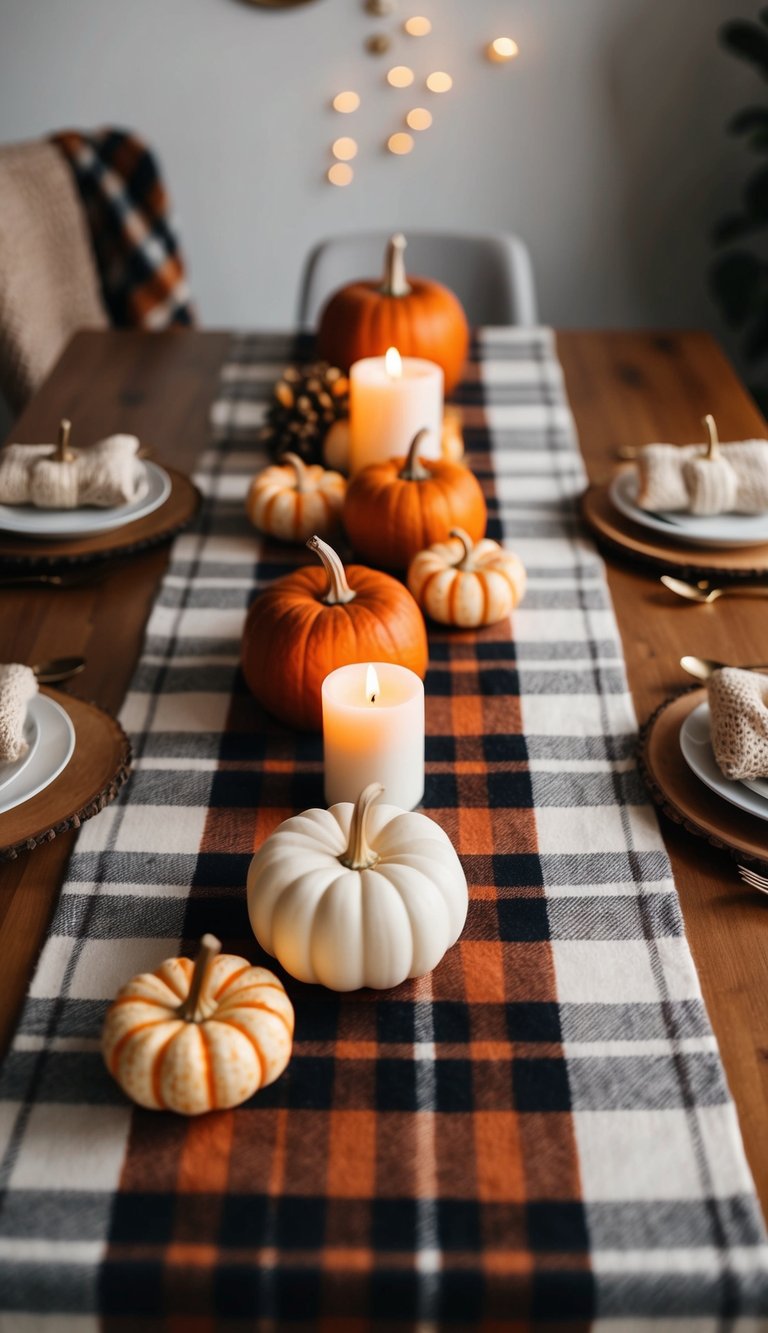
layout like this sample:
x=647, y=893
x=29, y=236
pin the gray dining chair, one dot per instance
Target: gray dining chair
x=491, y=272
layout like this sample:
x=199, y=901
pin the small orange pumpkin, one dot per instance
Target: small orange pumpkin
x=460, y=583
x=308, y=623
x=193, y=1038
x=418, y=316
x=292, y=499
x=395, y=509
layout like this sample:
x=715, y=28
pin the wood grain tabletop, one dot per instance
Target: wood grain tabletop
x=625, y=389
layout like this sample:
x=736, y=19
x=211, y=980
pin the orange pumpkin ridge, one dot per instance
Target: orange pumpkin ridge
x=230, y=1023
x=205, y=1052
x=120, y=1046
x=252, y=1004
x=233, y=976
x=157, y=1071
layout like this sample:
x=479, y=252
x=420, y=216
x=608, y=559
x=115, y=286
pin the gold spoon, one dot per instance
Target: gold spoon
x=702, y=667
x=59, y=668
x=706, y=595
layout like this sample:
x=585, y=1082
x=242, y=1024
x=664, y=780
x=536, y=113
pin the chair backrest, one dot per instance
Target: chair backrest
x=48, y=281
x=490, y=273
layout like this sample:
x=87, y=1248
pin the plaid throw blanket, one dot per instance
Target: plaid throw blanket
x=538, y=1133
x=140, y=266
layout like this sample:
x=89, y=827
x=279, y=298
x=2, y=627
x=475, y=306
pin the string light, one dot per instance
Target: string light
x=502, y=49
x=400, y=76
x=344, y=149
x=439, y=82
x=417, y=27
x=419, y=118
x=340, y=174
x=400, y=144
x=346, y=102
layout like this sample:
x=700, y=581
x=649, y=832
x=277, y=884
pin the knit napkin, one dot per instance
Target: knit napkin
x=18, y=684
x=680, y=478
x=107, y=474
x=738, y=707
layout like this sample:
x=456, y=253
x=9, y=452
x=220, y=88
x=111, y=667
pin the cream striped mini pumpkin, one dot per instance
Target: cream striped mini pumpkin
x=294, y=500
x=458, y=582
x=198, y=1037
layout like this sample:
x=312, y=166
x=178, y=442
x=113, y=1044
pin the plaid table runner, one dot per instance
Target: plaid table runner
x=537, y=1133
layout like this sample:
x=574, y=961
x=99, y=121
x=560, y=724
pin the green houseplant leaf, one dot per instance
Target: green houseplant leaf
x=747, y=40
x=737, y=280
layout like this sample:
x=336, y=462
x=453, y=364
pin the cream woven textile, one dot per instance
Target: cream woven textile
x=48, y=281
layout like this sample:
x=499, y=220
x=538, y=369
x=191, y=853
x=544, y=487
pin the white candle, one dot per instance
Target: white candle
x=373, y=731
x=392, y=398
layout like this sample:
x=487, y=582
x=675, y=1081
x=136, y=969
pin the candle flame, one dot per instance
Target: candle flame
x=372, y=687
x=394, y=364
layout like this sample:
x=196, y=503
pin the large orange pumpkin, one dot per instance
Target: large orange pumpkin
x=308, y=623
x=395, y=509
x=418, y=316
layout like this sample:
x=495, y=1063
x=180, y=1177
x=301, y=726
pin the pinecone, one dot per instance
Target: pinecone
x=307, y=400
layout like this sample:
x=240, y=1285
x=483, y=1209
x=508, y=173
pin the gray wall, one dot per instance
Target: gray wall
x=603, y=144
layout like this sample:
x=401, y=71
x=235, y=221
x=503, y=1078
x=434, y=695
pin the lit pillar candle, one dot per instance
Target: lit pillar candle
x=391, y=398
x=373, y=731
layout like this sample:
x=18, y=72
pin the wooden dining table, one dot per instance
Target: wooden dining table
x=625, y=388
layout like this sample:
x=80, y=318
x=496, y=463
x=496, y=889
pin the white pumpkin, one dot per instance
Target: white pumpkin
x=294, y=500
x=358, y=895
x=458, y=582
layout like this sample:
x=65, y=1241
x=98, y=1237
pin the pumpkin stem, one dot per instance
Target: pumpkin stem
x=465, y=561
x=299, y=468
x=63, y=453
x=395, y=282
x=359, y=855
x=414, y=469
x=713, y=447
x=189, y=1009
x=338, y=591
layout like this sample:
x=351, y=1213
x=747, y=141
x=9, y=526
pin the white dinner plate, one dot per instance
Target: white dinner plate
x=61, y=524
x=11, y=770
x=52, y=753
x=716, y=530
x=696, y=745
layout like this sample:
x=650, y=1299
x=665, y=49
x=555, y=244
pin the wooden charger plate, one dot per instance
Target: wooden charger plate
x=682, y=796
x=99, y=766
x=620, y=535
x=177, y=511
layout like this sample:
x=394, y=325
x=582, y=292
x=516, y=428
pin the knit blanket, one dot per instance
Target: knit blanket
x=137, y=251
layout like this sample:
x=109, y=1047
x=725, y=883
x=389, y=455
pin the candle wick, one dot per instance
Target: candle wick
x=373, y=699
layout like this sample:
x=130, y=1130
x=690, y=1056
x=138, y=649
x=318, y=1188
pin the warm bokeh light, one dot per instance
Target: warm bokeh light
x=346, y=102
x=439, y=82
x=372, y=686
x=393, y=362
x=400, y=144
x=400, y=76
x=502, y=49
x=419, y=118
x=344, y=149
x=340, y=174
x=417, y=27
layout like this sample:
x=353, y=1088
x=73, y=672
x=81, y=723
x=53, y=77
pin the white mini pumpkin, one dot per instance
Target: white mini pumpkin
x=292, y=500
x=358, y=895
x=458, y=582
